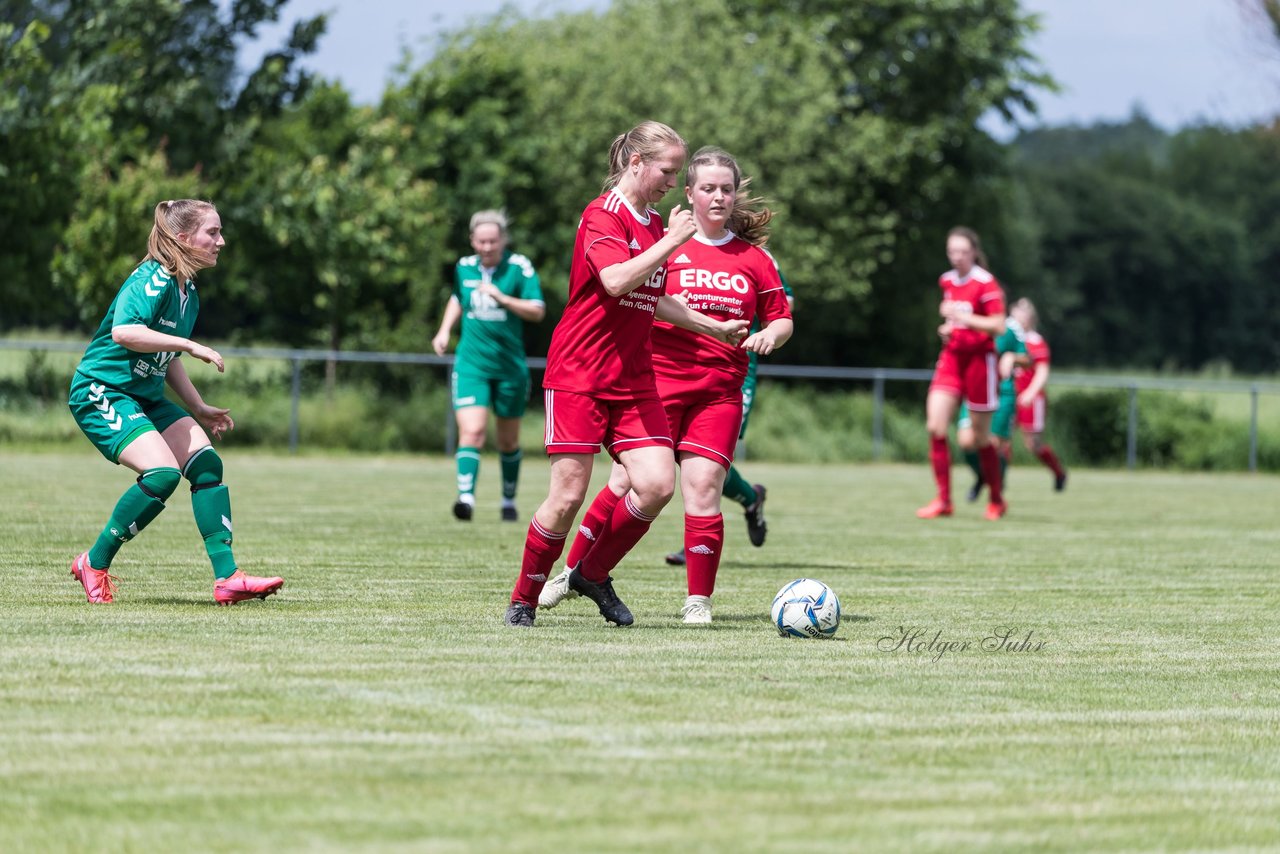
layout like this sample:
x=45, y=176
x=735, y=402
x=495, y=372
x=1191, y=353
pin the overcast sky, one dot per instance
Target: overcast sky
x=1183, y=61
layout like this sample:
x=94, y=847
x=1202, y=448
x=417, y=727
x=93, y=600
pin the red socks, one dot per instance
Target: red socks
x=940, y=456
x=703, y=544
x=1050, y=459
x=989, y=458
x=593, y=522
x=541, y=549
x=627, y=524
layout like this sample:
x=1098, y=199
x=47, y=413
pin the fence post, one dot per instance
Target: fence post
x=1253, y=427
x=1131, y=453
x=295, y=396
x=877, y=415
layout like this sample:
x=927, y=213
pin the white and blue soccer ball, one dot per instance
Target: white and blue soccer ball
x=806, y=608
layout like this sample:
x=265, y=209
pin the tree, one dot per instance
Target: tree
x=340, y=237
x=94, y=87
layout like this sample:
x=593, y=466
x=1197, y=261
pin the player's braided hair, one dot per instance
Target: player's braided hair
x=174, y=217
x=972, y=236
x=648, y=139
x=750, y=218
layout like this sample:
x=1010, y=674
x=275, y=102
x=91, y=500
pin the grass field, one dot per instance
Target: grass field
x=377, y=703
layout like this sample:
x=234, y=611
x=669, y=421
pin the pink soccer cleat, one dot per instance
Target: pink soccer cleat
x=238, y=587
x=996, y=510
x=99, y=584
x=935, y=508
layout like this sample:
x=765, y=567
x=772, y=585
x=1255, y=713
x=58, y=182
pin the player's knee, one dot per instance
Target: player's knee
x=204, y=469
x=159, y=483
x=654, y=494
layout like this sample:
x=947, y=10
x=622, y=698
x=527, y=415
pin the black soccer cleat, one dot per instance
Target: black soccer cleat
x=519, y=616
x=974, y=491
x=462, y=511
x=611, y=607
x=1060, y=482
x=676, y=558
x=510, y=514
x=756, y=527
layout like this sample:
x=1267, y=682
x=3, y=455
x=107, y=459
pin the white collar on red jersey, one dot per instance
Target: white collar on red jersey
x=643, y=220
x=719, y=241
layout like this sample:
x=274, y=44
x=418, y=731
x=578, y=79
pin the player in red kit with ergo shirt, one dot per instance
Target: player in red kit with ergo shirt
x=723, y=272
x=599, y=382
x=972, y=312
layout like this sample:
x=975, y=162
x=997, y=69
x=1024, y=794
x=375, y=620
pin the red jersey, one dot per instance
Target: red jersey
x=727, y=279
x=978, y=293
x=1038, y=350
x=601, y=346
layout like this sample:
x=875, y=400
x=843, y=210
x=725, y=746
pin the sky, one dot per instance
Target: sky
x=1181, y=61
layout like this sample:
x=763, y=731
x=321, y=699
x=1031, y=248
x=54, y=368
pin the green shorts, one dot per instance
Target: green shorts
x=111, y=419
x=1001, y=419
x=508, y=395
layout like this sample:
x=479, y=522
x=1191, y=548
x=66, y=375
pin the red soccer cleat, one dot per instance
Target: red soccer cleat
x=935, y=508
x=99, y=584
x=238, y=587
x=996, y=510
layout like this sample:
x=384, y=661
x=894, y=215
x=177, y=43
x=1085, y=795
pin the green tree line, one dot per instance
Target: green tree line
x=861, y=123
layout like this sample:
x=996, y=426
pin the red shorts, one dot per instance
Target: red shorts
x=1031, y=418
x=972, y=376
x=708, y=428
x=581, y=424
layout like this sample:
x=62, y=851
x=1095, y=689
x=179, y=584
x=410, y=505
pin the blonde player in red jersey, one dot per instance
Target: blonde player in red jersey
x=1030, y=384
x=599, y=382
x=972, y=311
x=724, y=272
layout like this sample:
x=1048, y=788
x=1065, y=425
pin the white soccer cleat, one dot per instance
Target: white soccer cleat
x=697, y=611
x=556, y=591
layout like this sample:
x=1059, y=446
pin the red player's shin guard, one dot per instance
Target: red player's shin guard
x=541, y=550
x=627, y=524
x=593, y=523
x=703, y=545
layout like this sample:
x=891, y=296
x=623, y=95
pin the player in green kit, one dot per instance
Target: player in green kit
x=117, y=398
x=1011, y=350
x=501, y=292
x=750, y=496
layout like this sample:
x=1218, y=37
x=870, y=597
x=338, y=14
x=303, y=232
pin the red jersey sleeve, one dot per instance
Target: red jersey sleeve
x=604, y=239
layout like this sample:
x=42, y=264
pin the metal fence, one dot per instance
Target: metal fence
x=878, y=377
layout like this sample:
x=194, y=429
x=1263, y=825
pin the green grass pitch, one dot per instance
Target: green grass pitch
x=377, y=704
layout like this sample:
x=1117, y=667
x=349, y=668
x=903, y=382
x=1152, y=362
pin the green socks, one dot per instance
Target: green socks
x=737, y=488
x=140, y=504
x=212, y=508
x=510, y=472
x=468, y=460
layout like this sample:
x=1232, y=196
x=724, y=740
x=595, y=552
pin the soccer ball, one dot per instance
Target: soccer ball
x=806, y=608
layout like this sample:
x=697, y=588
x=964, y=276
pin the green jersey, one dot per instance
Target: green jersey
x=1012, y=341
x=491, y=341
x=151, y=298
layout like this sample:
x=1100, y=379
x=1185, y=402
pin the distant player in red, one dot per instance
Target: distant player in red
x=599, y=382
x=1030, y=384
x=725, y=273
x=972, y=311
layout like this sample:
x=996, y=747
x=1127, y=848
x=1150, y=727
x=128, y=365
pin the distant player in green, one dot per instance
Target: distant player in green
x=117, y=398
x=1011, y=351
x=501, y=292
x=750, y=495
